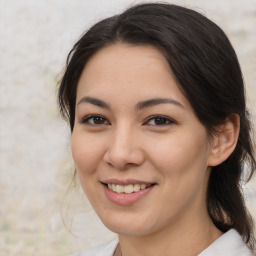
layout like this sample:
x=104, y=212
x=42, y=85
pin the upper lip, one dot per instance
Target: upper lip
x=126, y=182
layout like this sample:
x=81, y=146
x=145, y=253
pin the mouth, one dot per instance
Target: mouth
x=128, y=192
x=127, y=189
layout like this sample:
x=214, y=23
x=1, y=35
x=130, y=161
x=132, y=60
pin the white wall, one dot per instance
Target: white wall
x=35, y=162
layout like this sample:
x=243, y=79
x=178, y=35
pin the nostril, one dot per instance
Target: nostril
x=123, y=160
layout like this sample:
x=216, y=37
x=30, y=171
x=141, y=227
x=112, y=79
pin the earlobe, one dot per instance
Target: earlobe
x=225, y=141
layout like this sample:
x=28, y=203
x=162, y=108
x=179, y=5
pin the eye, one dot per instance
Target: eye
x=159, y=121
x=94, y=120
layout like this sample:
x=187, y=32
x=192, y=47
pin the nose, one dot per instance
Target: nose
x=124, y=149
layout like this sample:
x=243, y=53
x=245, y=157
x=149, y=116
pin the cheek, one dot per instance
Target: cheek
x=87, y=152
x=179, y=150
x=182, y=164
x=182, y=160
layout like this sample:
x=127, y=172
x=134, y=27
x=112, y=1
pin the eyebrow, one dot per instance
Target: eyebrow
x=139, y=106
x=157, y=101
x=94, y=101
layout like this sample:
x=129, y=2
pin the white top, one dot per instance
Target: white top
x=229, y=244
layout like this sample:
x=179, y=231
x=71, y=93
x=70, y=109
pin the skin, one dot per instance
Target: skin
x=127, y=143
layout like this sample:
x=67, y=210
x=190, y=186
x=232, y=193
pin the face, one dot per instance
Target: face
x=140, y=152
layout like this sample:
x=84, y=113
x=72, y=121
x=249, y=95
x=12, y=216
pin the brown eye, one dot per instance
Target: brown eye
x=94, y=120
x=159, y=121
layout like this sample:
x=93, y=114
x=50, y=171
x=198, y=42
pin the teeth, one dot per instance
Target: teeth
x=128, y=189
x=119, y=189
x=136, y=187
x=142, y=186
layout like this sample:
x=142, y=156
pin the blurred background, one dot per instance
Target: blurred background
x=35, y=161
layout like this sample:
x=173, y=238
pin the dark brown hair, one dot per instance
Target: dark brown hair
x=206, y=67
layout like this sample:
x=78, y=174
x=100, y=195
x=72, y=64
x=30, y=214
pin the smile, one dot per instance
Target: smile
x=127, y=189
x=127, y=193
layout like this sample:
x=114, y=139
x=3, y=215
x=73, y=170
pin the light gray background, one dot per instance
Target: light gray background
x=35, y=161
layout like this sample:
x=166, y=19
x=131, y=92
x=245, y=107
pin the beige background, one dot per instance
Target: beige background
x=35, y=162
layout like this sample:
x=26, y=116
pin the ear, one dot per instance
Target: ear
x=224, y=142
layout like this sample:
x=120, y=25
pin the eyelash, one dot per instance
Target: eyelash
x=164, y=118
x=86, y=120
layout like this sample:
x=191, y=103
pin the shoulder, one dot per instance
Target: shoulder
x=106, y=249
x=229, y=244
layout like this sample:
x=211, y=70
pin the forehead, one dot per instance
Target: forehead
x=128, y=71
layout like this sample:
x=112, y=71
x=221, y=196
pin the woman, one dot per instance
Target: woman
x=160, y=133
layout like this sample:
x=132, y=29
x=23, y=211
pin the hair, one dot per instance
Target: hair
x=209, y=75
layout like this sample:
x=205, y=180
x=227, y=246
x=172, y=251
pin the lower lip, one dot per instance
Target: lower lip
x=126, y=199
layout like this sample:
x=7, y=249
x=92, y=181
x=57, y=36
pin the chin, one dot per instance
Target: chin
x=129, y=226
x=128, y=230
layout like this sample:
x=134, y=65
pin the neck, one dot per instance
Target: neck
x=187, y=238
